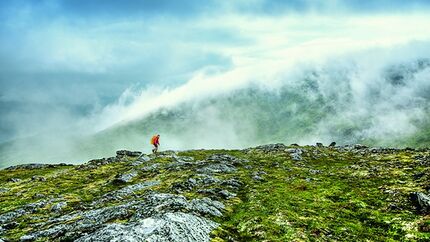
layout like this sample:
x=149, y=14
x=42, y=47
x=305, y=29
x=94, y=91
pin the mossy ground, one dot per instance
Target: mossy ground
x=329, y=195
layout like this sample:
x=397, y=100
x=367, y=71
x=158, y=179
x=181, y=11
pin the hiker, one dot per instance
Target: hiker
x=155, y=141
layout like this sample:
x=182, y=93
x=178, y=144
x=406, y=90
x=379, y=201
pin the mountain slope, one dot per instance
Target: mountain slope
x=270, y=192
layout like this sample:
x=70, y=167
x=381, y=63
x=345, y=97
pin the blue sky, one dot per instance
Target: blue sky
x=64, y=60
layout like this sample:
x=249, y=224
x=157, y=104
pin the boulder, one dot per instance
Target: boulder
x=421, y=201
x=295, y=153
x=177, y=226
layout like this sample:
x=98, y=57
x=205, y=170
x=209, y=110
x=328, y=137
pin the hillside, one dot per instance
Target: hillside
x=266, y=193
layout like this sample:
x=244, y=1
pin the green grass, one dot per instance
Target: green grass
x=328, y=196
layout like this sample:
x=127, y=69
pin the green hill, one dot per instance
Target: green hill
x=267, y=193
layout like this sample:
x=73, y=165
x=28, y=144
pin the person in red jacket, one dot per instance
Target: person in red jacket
x=155, y=141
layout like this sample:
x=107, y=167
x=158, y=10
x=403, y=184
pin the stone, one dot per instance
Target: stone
x=152, y=167
x=38, y=178
x=144, y=158
x=13, y=179
x=206, y=206
x=271, y=148
x=258, y=178
x=11, y=225
x=38, y=196
x=26, y=209
x=32, y=166
x=122, y=153
x=319, y=145
x=206, y=179
x=125, y=178
x=226, y=159
x=314, y=172
x=3, y=190
x=421, y=201
x=124, y=192
x=187, y=185
x=360, y=146
x=217, y=168
x=232, y=183
x=332, y=144
x=295, y=153
x=27, y=238
x=59, y=207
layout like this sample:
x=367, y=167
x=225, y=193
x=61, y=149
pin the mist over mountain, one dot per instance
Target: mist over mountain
x=388, y=106
x=81, y=80
x=349, y=99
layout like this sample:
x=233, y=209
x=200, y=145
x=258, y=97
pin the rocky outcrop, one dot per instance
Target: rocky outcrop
x=176, y=226
x=157, y=216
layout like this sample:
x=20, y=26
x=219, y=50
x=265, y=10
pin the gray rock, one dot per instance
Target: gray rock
x=38, y=178
x=258, y=178
x=26, y=209
x=13, y=179
x=183, y=158
x=226, y=159
x=35, y=166
x=152, y=167
x=9, y=226
x=38, y=196
x=217, y=168
x=176, y=226
x=206, y=206
x=93, y=164
x=232, y=183
x=27, y=238
x=3, y=190
x=421, y=201
x=271, y=148
x=75, y=225
x=144, y=158
x=207, y=179
x=59, y=207
x=124, y=192
x=182, y=165
x=125, y=178
x=360, y=146
x=122, y=153
x=314, y=172
x=218, y=193
x=188, y=185
x=295, y=153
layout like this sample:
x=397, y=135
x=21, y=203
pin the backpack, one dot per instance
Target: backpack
x=153, y=139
